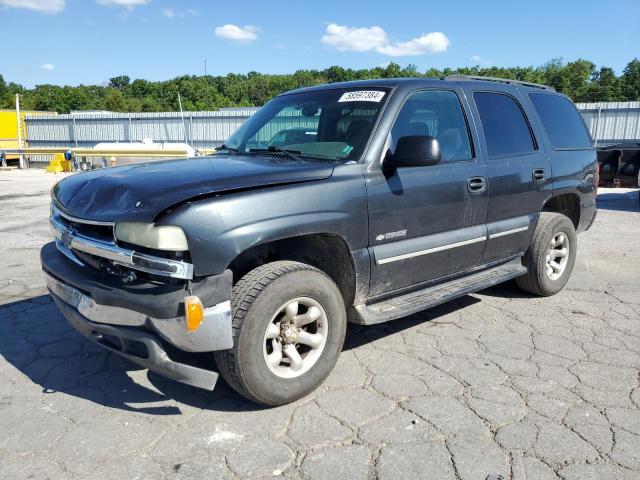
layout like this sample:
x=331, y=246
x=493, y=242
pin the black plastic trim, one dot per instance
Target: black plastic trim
x=155, y=299
x=139, y=347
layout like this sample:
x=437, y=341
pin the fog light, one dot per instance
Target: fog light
x=193, y=312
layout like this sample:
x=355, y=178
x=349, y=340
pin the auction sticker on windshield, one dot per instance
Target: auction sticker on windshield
x=362, y=96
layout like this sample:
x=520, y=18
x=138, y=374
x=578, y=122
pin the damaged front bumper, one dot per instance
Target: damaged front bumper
x=139, y=321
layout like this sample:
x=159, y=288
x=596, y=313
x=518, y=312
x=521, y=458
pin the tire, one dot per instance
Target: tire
x=260, y=303
x=537, y=280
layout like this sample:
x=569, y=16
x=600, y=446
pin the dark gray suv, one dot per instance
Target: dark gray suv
x=402, y=195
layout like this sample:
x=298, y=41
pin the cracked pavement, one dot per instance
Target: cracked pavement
x=495, y=383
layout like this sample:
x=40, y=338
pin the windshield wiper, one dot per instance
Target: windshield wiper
x=292, y=154
x=228, y=148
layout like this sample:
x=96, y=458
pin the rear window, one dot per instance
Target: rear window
x=561, y=120
x=506, y=129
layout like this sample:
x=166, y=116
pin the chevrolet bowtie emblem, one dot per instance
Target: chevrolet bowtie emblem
x=66, y=237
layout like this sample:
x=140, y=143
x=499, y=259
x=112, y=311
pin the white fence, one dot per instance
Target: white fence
x=608, y=122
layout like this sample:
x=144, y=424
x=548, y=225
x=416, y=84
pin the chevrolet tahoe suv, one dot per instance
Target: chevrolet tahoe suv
x=407, y=193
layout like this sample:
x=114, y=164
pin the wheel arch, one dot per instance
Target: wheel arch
x=327, y=252
x=567, y=204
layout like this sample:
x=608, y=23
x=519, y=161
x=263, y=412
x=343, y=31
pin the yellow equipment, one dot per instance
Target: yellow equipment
x=9, y=130
x=59, y=164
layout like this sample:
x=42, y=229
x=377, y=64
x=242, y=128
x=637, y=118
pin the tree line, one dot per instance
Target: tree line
x=581, y=80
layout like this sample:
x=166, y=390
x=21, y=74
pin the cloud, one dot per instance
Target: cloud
x=434, y=42
x=352, y=39
x=238, y=34
x=363, y=39
x=44, y=6
x=128, y=4
x=47, y=66
x=478, y=60
x=171, y=13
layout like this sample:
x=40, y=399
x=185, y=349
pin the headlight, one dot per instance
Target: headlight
x=148, y=235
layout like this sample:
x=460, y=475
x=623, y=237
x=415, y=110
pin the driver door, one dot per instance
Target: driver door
x=427, y=223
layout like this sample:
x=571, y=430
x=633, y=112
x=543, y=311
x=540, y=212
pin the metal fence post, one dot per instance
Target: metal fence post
x=19, y=120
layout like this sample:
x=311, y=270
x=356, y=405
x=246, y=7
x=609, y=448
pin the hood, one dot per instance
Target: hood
x=140, y=192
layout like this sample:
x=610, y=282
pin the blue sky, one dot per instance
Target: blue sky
x=89, y=41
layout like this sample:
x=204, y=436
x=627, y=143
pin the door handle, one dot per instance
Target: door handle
x=538, y=174
x=476, y=184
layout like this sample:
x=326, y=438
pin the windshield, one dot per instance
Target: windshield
x=325, y=124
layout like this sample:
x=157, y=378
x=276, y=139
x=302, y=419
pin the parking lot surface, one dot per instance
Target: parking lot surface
x=496, y=383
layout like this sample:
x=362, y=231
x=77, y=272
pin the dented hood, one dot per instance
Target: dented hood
x=140, y=192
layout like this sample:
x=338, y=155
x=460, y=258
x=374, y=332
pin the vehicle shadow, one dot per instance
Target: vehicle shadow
x=621, y=201
x=506, y=290
x=37, y=341
x=358, y=335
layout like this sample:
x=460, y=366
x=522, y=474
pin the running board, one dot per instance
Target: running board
x=417, y=301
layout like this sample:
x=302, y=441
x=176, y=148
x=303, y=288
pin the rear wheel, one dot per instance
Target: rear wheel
x=551, y=255
x=289, y=324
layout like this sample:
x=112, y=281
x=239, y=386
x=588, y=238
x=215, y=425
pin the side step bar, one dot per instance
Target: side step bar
x=417, y=301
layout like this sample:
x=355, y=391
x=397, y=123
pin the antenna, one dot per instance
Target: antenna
x=205, y=67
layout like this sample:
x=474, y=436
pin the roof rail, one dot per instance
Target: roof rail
x=498, y=80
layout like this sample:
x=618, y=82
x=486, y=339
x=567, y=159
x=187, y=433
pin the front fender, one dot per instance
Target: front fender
x=220, y=228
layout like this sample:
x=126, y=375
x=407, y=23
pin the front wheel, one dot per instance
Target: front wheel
x=289, y=324
x=551, y=255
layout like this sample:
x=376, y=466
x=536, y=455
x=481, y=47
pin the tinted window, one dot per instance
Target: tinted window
x=435, y=114
x=505, y=127
x=561, y=121
x=329, y=124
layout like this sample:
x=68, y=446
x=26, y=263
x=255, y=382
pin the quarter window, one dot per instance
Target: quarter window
x=561, y=121
x=506, y=129
x=437, y=114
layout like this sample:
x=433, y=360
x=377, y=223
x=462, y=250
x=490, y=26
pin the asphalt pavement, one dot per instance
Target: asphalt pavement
x=495, y=383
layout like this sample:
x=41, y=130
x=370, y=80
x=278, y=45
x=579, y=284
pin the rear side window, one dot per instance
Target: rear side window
x=561, y=121
x=506, y=129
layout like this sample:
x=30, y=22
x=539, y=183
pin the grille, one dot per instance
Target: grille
x=100, y=231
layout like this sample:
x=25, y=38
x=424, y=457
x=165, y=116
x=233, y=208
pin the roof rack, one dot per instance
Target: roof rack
x=498, y=80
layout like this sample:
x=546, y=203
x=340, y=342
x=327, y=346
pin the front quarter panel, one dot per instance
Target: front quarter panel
x=221, y=227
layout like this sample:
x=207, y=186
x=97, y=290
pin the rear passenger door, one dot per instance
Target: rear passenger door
x=518, y=171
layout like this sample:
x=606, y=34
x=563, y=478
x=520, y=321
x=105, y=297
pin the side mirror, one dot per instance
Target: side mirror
x=414, y=151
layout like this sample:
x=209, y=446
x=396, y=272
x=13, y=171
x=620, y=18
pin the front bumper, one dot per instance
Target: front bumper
x=213, y=334
x=136, y=320
x=139, y=347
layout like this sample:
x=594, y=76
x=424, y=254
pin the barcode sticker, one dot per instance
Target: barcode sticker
x=362, y=96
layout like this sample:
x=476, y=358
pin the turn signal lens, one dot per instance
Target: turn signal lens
x=193, y=312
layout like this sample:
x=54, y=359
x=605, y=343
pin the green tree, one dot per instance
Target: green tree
x=120, y=82
x=605, y=87
x=580, y=80
x=114, y=100
x=3, y=92
x=631, y=80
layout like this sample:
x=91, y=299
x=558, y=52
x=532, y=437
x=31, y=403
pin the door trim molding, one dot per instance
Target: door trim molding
x=424, y=245
x=508, y=232
x=396, y=258
x=438, y=242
